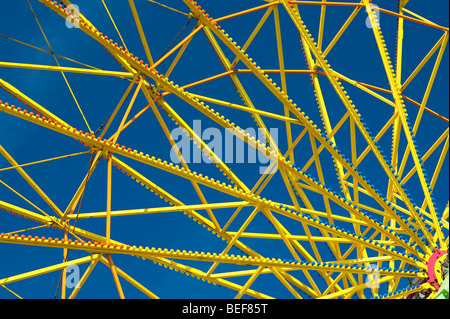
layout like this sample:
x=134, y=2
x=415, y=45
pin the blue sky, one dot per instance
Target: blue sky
x=355, y=56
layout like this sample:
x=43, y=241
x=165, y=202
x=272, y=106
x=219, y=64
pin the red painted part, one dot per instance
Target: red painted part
x=432, y=279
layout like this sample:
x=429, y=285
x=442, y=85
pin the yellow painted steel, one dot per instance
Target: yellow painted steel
x=132, y=281
x=345, y=99
x=46, y=270
x=141, y=31
x=63, y=69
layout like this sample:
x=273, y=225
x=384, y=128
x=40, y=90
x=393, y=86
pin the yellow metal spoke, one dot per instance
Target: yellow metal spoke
x=132, y=281
x=31, y=182
x=85, y=276
x=42, y=161
x=46, y=270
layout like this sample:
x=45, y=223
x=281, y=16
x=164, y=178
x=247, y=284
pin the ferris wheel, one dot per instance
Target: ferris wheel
x=277, y=149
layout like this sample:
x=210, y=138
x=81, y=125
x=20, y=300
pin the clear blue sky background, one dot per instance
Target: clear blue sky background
x=355, y=56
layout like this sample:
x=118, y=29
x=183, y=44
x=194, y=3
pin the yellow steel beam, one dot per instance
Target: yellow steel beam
x=141, y=32
x=119, y=105
x=328, y=3
x=46, y=270
x=156, y=210
x=284, y=233
x=436, y=222
x=24, y=198
x=396, y=131
x=341, y=31
x=205, y=148
x=193, y=214
x=42, y=161
x=237, y=14
x=283, y=77
x=418, y=16
x=97, y=248
x=321, y=25
x=283, y=97
x=15, y=294
x=115, y=276
x=190, y=271
x=354, y=288
x=62, y=73
x=427, y=154
x=249, y=282
x=353, y=112
x=234, y=238
x=30, y=181
x=182, y=160
x=108, y=198
x=380, y=133
x=181, y=172
x=87, y=138
x=422, y=63
x=302, y=250
x=327, y=126
x=240, y=88
x=176, y=47
x=296, y=237
x=26, y=213
x=27, y=100
x=430, y=83
x=211, y=78
x=46, y=51
x=100, y=239
x=286, y=284
x=330, y=135
x=167, y=7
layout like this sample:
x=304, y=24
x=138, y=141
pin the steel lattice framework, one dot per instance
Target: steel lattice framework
x=334, y=235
